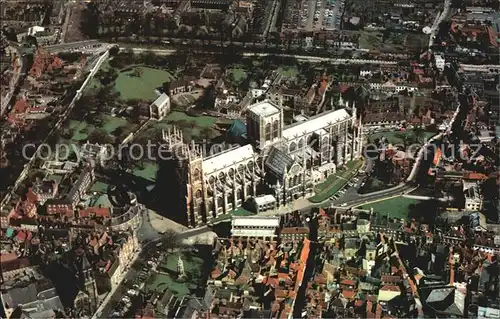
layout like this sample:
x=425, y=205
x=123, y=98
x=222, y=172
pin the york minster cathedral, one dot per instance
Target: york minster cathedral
x=277, y=161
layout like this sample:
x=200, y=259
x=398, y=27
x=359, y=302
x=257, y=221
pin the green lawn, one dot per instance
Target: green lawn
x=191, y=126
x=238, y=74
x=288, y=71
x=370, y=40
x=335, y=182
x=397, y=207
x=82, y=130
x=111, y=123
x=237, y=212
x=374, y=40
x=167, y=279
x=241, y=212
x=133, y=87
x=101, y=200
x=147, y=172
x=99, y=187
x=143, y=87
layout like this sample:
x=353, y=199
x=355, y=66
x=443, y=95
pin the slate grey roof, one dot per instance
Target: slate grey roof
x=37, y=299
x=21, y=295
x=440, y=294
x=447, y=300
x=278, y=162
x=351, y=243
x=190, y=306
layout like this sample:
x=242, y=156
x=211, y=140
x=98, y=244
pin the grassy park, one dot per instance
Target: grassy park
x=397, y=207
x=137, y=82
x=166, y=276
x=147, y=171
x=193, y=127
x=132, y=86
x=289, y=71
x=82, y=130
x=335, y=182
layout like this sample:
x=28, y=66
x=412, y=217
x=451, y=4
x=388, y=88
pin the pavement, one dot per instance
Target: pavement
x=204, y=238
x=375, y=196
x=311, y=8
x=161, y=224
x=254, y=54
x=66, y=21
x=439, y=18
x=12, y=85
x=88, y=46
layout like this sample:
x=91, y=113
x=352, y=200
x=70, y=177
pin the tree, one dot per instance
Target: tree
x=207, y=133
x=148, y=58
x=170, y=240
x=114, y=50
x=100, y=136
x=90, y=22
x=419, y=133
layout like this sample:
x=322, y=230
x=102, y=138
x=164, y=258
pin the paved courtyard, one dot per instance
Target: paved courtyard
x=162, y=224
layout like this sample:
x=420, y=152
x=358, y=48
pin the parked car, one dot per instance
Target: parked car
x=132, y=292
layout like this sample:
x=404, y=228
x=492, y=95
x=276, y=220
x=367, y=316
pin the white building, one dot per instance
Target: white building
x=284, y=162
x=439, y=62
x=160, y=107
x=390, y=86
x=473, y=199
x=95, y=153
x=263, y=203
x=256, y=227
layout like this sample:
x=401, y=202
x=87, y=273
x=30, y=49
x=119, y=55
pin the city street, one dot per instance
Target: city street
x=13, y=82
x=253, y=54
x=148, y=236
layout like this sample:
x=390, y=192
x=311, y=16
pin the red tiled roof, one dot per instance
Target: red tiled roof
x=280, y=293
x=390, y=288
x=348, y=282
x=284, y=276
x=475, y=176
x=273, y=282
x=94, y=211
x=320, y=279
x=343, y=88
x=492, y=36
x=21, y=106
x=7, y=257
x=349, y=294
x=215, y=273
x=32, y=197
x=391, y=279
x=60, y=209
x=304, y=254
x=21, y=236
x=295, y=230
